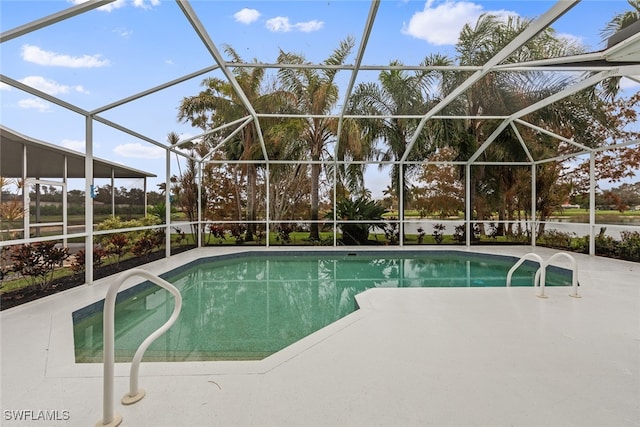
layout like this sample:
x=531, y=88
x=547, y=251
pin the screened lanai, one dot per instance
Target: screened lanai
x=38, y=163
x=517, y=136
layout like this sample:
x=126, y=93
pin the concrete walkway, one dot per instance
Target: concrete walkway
x=408, y=357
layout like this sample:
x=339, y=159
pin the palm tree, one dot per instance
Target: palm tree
x=11, y=210
x=622, y=20
x=575, y=116
x=502, y=94
x=173, y=139
x=398, y=93
x=314, y=92
x=611, y=86
x=219, y=104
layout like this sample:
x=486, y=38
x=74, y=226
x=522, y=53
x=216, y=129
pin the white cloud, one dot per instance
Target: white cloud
x=107, y=7
x=246, y=16
x=111, y=6
x=278, y=24
x=75, y=145
x=309, y=26
x=34, y=104
x=42, y=57
x=50, y=86
x=123, y=32
x=571, y=38
x=4, y=86
x=144, y=4
x=169, y=62
x=573, y=44
x=281, y=24
x=139, y=151
x=441, y=24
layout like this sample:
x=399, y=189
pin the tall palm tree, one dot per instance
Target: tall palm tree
x=398, y=93
x=314, y=92
x=173, y=138
x=219, y=104
x=355, y=146
x=502, y=94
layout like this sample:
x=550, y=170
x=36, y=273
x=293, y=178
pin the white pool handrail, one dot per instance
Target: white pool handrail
x=540, y=273
x=574, y=271
x=540, y=277
x=109, y=417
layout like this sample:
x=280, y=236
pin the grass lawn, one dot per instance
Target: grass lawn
x=19, y=283
x=296, y=238
x=570, y=213
x=579, y=212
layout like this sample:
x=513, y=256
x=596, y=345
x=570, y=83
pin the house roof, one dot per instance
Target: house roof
x=45, y=160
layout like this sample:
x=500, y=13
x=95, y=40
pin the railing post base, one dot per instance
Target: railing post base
x=127, y=399
x=117, y=419
x=575, y=295
x=135, y=394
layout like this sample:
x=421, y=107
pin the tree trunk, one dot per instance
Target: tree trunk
x=401, y=190
x=314, y=233
x=236, y=188
x=251, y=202
x=501, y=217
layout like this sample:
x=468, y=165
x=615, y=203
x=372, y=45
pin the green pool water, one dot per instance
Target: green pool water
x=248, y=307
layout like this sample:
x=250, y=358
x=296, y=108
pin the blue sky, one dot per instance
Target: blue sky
x=131, y=45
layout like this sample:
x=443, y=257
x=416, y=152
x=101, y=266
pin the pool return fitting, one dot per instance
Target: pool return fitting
x=109, y=417
x=541, y=273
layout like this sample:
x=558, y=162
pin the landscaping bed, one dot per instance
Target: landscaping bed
x=33, y=292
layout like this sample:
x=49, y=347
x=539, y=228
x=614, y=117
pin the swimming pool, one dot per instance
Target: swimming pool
x=248, y=306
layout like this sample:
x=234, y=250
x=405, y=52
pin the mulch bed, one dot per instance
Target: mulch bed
x=31, y=293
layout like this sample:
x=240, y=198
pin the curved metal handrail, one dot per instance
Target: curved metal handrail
x=540, y=273
x=540, y=277
x=574, y=273
x=109, y=417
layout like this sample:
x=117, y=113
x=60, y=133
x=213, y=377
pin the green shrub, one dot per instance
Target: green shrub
x=284, y=233
x=606, y=245
x=237, y=231
x=555, y=239
x=630, y=246
x=438, y=233
x=360, y=209
x=460, y=233
x=391, y=232
x=141, y=243
x=518, y=237
x=580, y=244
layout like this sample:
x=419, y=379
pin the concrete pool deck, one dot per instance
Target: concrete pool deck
x=408, y=357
